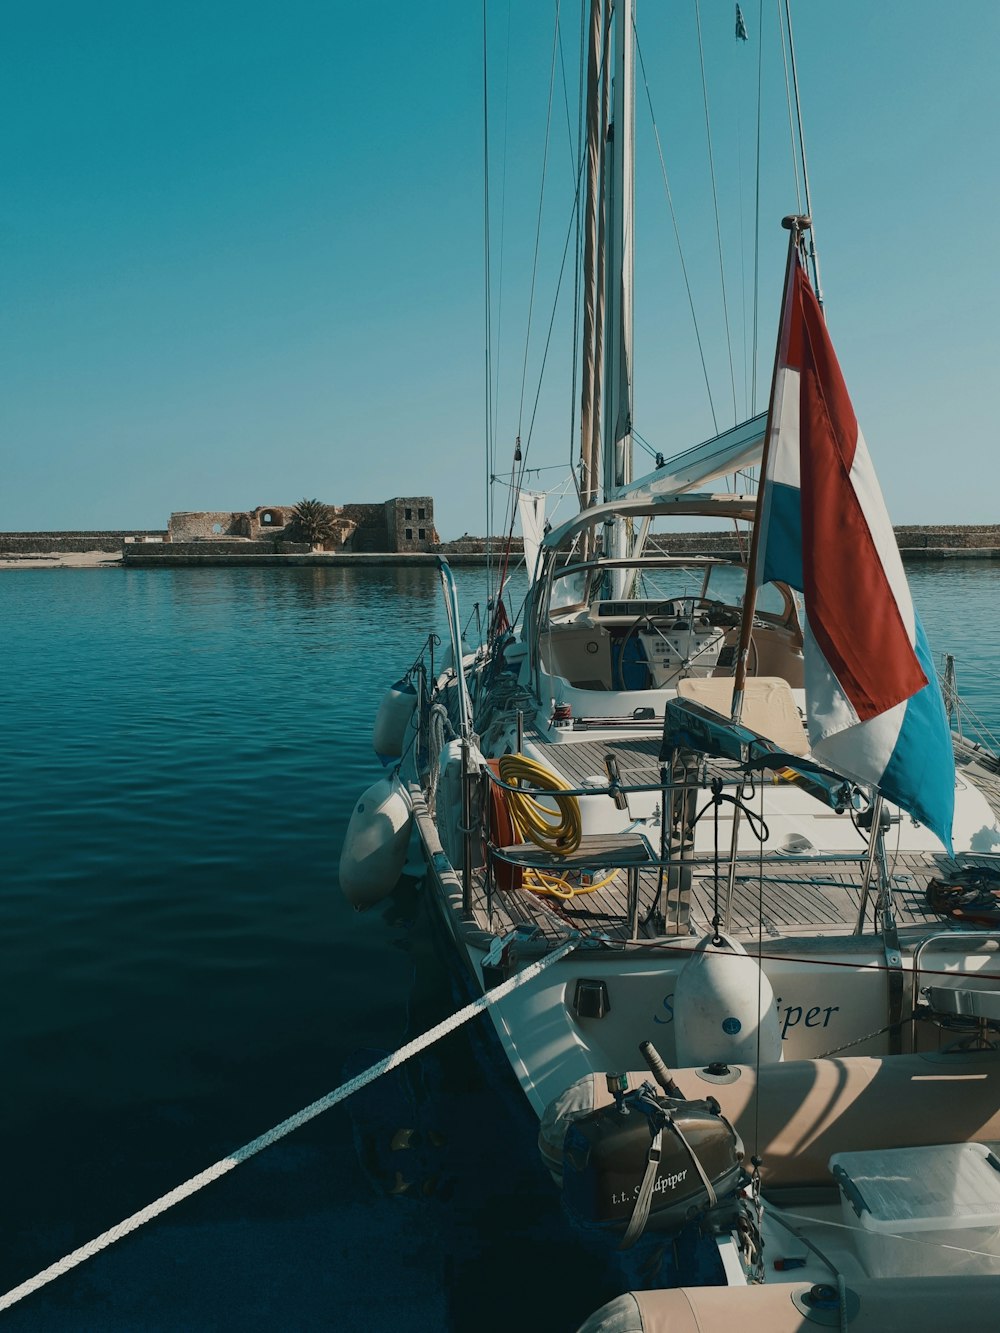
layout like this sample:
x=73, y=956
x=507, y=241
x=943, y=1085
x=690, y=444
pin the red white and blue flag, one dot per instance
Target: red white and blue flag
x=874, y=708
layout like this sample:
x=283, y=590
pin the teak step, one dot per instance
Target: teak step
x=597, y=851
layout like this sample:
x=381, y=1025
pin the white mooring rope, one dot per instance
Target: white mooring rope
x=226, y=1164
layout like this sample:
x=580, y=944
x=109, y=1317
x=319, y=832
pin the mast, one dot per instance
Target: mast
x=620, y=207
x=606, y=387
x=590, y=391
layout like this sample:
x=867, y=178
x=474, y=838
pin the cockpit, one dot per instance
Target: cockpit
x=651, y=619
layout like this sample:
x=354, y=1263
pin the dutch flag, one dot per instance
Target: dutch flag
x=874, y=708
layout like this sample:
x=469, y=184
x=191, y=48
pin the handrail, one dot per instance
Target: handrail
x=939, y=937
x=776, y=858
x=455, y=632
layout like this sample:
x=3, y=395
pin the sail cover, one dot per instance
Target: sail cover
x=531, y=506
x=740, y=447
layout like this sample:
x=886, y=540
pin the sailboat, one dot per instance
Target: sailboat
x=683, y=785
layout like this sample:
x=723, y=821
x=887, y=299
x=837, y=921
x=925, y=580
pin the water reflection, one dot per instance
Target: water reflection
x=183, y=750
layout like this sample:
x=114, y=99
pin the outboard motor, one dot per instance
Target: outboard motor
x=653, y=1159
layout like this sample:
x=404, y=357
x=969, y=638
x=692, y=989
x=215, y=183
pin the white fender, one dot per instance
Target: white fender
x=448, y=806
x=374, y=850
x=721, y=1000
x=392, y=720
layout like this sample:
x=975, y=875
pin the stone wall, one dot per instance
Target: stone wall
x=913, y=540
x=699, y=543
x=219, y=546
x=479, y=546
x=381, y=529
x=208, y=525
x=409, y=522
x=267, y=519
x=956, y=537
x=910, y=538
x=361, y=527
x=44, y=543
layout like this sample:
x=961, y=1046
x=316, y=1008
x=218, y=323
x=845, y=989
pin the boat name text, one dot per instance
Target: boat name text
x=662, y=1185
x=788, y=1017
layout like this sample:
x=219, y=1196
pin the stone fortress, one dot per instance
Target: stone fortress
x=403, y=524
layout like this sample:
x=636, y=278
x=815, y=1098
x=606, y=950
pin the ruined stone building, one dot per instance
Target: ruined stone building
x=405, y=523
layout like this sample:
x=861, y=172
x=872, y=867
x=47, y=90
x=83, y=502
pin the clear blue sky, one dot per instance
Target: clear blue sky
x=242, y=245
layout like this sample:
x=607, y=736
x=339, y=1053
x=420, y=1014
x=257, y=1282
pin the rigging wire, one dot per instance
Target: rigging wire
x=677, y=237
x=531, y=472
x=511, y=509
x=743, y=271
x=802, y=149
x=488, y=301
x=756, y=220
x=552, y=320
x=565, y=87
x=645, y=444
x=715, y=202
x=788, y=104
x=577, y=250
x=573, y=222
x=521, y=457
x=519, y=465
x=503, y=216
x=538, y=225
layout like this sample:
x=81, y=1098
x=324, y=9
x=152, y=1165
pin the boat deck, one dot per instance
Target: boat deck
x=792, y=899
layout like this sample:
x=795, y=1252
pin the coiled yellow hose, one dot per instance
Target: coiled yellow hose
x=557, y=831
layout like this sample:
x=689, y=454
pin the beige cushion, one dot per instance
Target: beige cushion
x=768, y=707
x=795, y=1115
x=919, y=1305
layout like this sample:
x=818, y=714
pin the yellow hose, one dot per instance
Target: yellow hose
x=557, y=831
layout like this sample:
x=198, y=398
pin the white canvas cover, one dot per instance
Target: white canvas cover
x=740, y=447
x=531, y=507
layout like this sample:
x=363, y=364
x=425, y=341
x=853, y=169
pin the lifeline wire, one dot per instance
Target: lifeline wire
x=235, y=1158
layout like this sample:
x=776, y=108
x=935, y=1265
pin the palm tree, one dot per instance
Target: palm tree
x=314, y=520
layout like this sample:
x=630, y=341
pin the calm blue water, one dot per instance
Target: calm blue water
x=179, y=972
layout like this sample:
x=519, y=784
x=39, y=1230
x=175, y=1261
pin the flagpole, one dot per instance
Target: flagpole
x=795, y=224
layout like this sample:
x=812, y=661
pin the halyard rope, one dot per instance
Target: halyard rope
x=226, y=1164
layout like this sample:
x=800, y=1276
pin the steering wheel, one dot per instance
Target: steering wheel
x=675, y=607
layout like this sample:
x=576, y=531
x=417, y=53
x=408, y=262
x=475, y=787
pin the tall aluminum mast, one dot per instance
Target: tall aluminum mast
x=619, y=197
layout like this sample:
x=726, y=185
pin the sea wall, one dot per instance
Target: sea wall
x=966, y=537
x=30, y=543
x=213, y=548
x=916, y=542
x=201, y=554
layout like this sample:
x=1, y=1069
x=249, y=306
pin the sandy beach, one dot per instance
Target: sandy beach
x=61, y=560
